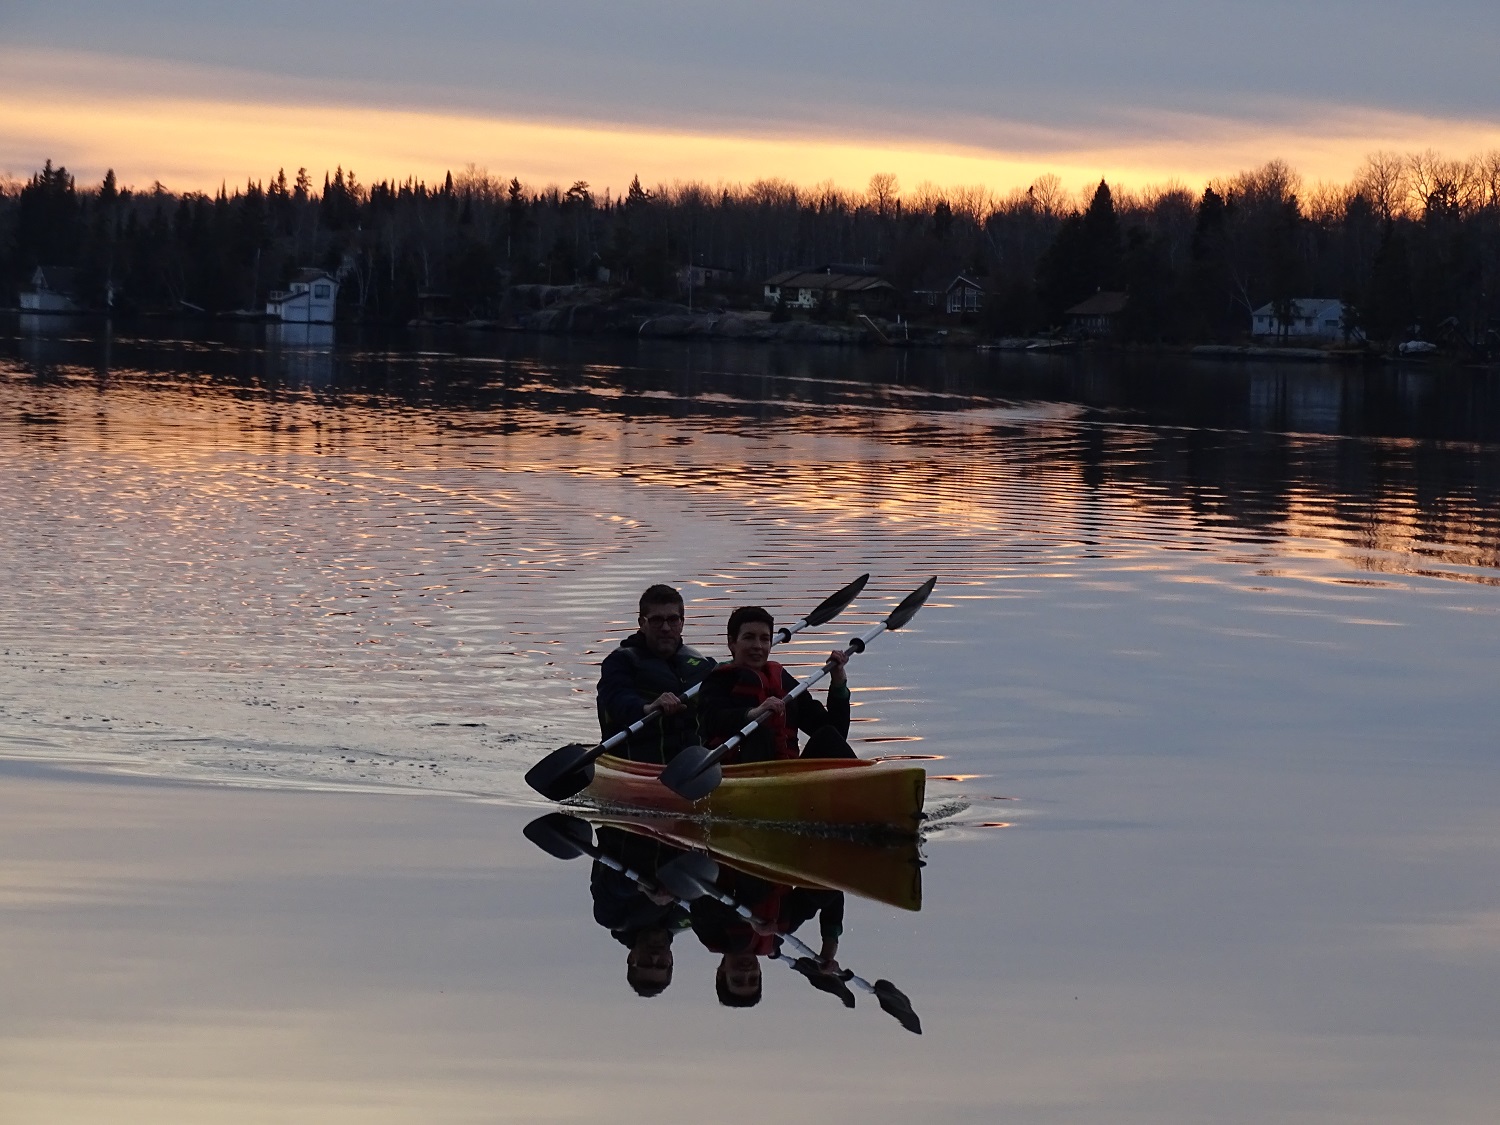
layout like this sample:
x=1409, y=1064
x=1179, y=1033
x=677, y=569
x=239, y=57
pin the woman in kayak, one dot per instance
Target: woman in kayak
x=753, y=687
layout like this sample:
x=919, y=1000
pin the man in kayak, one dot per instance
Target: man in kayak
x=650, y=672
x=753, y=687
x=643, y=922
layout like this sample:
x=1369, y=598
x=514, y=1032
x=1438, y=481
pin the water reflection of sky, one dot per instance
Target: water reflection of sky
x=403, y=569
x=1225, y=637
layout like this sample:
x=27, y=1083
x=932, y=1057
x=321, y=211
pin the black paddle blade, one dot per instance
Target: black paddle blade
x=700, y=865
x=824, y=981
x=835, y=604
x=563, y=773
x=689, y=876
x=910, y=604
x=894, y=1001
x=560, y=835
x=692, y=774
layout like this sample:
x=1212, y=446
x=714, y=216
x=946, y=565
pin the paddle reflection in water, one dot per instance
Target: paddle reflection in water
x=744, y=891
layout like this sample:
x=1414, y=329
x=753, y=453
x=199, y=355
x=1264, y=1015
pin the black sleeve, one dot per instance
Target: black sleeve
x=802, y=903
x=811, y=716
x=619, y=702
x=831, y=917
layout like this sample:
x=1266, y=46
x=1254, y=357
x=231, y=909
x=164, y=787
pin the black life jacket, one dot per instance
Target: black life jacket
x=652, y=675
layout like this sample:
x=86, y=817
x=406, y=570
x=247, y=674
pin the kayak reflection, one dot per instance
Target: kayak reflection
x=743, y=890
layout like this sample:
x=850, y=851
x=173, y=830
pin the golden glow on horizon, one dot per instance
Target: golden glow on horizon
x=197, y=144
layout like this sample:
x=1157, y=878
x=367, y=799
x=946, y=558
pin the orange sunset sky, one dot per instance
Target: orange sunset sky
x=961, y=94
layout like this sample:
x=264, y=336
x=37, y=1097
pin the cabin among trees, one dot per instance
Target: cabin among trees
x=1411, y=243
x=1306, y=318
x=1101, y=317
x=963, y=295
x=53, y=289
x=311, y=298
x=811, y=289
x=696, y=277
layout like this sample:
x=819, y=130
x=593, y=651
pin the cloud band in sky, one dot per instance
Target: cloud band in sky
x=83, y=111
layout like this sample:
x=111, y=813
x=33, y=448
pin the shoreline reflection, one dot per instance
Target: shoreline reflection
x=1391, y=471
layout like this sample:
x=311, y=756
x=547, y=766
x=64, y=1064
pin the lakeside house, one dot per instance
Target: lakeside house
x=806, y=289
x=53, y=289
x=1318, y=318
x=312, y=298
x=1097, y=318
x=703, y=277
x=963, y=294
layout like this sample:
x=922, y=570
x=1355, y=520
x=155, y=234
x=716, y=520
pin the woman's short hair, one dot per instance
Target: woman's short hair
x=734, y=999
x=745, y=615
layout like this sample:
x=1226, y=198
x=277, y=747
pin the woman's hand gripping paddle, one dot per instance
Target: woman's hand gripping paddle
x=695, y=772
x=569, y=769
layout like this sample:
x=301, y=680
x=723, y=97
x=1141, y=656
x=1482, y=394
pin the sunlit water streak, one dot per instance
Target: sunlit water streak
x=239, y=579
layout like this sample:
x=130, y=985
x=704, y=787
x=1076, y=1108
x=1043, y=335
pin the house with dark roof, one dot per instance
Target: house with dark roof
x=806, y=289
x=53, y=289
x=703, y=277
x=963, y=295
x=1098, y=317
x=1320, y=318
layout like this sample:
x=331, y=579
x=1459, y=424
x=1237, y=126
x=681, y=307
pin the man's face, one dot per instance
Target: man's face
x=661, y=626
x=650, y=958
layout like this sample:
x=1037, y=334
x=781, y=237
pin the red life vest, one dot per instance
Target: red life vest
x=754, y=688
x=739, y=936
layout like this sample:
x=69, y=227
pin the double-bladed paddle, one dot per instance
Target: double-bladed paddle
x=695, y=773
x=693, y=876
x=569, y=769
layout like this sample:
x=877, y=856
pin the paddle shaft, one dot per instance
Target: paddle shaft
x=856, y=645
x=802, y=948
x=599, y=856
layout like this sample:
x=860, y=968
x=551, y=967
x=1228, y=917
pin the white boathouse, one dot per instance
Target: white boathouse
x=312, y=298
x=53, y=289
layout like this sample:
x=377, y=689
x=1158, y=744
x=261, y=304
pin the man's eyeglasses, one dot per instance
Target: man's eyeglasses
x=657, y=620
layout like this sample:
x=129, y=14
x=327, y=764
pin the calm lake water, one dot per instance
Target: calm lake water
x=1209, y=678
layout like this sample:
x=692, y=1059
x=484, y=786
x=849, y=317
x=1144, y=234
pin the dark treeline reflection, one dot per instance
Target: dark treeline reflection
x=742, y=894
x=1394, y=458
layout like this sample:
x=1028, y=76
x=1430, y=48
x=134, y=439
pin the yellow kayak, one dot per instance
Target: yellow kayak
x=889, y=874
x=848, y=793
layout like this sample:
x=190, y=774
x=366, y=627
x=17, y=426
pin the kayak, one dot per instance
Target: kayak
x=848, y=793
x=890, y=874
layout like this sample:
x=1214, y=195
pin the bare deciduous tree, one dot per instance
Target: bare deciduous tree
x=883, y=192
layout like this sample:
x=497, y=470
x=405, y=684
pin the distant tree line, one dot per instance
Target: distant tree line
x=1411, y=243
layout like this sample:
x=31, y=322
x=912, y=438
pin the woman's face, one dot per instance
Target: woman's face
x=752, y=647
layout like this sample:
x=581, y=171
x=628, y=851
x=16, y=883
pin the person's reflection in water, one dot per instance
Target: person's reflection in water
x=645, y=923
x=778, y=910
